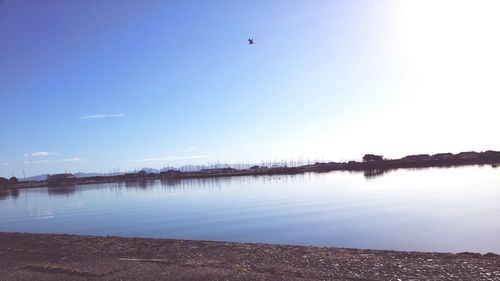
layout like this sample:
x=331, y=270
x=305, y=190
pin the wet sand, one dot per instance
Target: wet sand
x=26, y=256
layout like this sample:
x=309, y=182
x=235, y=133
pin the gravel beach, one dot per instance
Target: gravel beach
x=26, y=256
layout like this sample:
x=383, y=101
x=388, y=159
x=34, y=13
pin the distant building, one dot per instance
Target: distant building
x=443, y=156
x=171, y=173
x=257, y=169
x=217, y=170
x=467, y=155
x=491, y=154
x=418, y=157
x=138, y=175
x=60, y=178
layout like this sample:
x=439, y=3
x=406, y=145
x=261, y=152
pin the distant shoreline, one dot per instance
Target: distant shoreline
x=372, y=165
x=30, y=256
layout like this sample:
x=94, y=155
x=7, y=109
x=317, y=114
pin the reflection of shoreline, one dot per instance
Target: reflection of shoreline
x=372, y=166
x=169, y=185
x=62, y=190
x=192, y=184
x=5, y=194
x=375, y=173
x=208, y=183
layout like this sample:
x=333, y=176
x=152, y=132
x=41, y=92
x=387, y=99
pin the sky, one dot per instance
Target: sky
x=98, y=86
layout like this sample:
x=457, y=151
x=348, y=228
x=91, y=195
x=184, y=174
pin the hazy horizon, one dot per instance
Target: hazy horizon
x=90, y=86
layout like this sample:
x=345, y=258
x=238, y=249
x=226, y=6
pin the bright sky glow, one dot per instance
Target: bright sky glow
x=89, y=86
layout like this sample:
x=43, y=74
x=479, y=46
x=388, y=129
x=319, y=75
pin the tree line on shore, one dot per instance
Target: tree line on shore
x=4, y=181
x=371, y=163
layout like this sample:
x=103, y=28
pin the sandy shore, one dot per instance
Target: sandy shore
x=70, y=257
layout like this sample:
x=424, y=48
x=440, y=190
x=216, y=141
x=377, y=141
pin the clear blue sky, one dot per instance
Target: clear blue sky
x=97, y=85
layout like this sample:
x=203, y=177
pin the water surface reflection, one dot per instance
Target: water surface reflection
x=453, y=209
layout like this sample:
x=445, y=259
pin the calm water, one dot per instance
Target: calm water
x=453, y=209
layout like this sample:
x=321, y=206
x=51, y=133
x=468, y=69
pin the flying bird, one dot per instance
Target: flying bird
x=250, y=41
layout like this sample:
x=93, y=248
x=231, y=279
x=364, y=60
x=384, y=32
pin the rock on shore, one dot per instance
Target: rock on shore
x=70, y=257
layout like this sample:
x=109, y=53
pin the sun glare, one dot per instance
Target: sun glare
x=450, y=57
x=450, y=48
